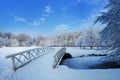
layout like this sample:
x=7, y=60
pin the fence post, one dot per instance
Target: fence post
x=13, y=62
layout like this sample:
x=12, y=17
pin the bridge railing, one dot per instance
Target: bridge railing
x=58, y=57
x=22, y=58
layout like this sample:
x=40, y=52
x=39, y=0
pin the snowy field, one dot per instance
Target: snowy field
x=41, y=68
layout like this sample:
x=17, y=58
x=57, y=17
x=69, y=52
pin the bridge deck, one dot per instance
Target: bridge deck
x=39, y=69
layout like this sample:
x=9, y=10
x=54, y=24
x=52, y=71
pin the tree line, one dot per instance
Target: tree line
x=88, y=37
x=21, y=40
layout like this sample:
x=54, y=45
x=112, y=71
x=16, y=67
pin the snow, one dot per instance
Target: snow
x=10, y=50
x=5, y=64
x=72, y=74
x=41, y=68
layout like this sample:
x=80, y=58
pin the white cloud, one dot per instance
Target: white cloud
x=34, y=22
x=48, y=9
x=42, y=20
x=103, y=10
x=20, y=19
x=16, y=18
x=60, y=28
x=38, y=22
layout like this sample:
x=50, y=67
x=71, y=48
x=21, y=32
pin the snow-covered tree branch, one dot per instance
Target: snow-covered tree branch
x=111, y=33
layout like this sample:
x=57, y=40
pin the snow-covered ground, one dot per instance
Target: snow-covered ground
x=5, y=64
x=41, y=68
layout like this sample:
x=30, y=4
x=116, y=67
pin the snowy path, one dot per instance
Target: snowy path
x=41, y=69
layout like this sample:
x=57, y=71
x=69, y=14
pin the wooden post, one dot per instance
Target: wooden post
x=13, y=62
x=29, y=55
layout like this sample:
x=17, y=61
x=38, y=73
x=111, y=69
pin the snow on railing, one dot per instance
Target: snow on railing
x=22, y=58
x=58, y=57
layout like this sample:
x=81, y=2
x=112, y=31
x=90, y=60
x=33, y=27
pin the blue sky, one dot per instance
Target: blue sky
x=49, y=17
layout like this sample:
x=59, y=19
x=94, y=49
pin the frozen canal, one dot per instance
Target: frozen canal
x=82, y=63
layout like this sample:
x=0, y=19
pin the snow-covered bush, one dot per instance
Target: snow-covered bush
x=24, y=39
x=14, y=43
x=89, y=38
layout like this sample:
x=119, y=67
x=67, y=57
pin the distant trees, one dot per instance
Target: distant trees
x=38, y=40
x=1, y=42
x=111, y=33
x=14, y=43
x=11, y=40
x=86, y=38
x=67, y=39
x=79, y=42
x=24, y=40
x=89, y=38
x=5, y=39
